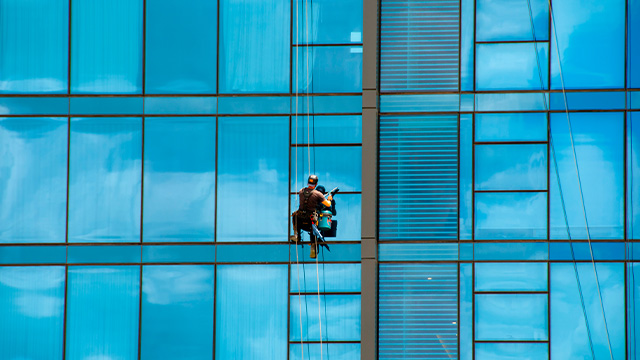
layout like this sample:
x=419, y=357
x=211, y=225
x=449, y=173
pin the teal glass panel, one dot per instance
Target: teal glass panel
x=596, y=100
x=511, y=167
x=468, y=15
x=33, y=180
x=339, y=253
x=340, y=316
x=466, y=311
x=179, y=179
x=33, y=255
x=249, y=326
x=586, y=31
x=633, y=304
x=181, y=46
x=329, y=351
x=329, y=129
x=569, y=338
x=332, y=278
x=519, y=251
x=252, y=254
x=106, y=105
x=180, y=105
x=600, y=251
x=511, y=216
x=32, y=312
x=328, y=22
x=511, y=127
x=236, y=105
x=633, y=100
x=511, y=66
x=254, y=46
x=327, y=104
x=511, y=317
x=465, y=202
x=179, y=253
x=348, y=216
x=599, y=144
x=417, y=252
x=633, y=43
x=335, y=166
x=633, y=174
x=504, y=20
x=420, y=103
x=103, y=309
x=328, y=69
x=35, y=45
x=511, y=351
x=106, y=46
x=253, y=163
x=514, y=277
x=34, y=106
x=105, y=254
x=105, y=179
x=512, y=101
x=177, y=312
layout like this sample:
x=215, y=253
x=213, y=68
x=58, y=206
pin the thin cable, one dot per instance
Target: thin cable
x=324, y=290
x=575, y=161
x=319, y=306
x=633, y=278
x=306, y=14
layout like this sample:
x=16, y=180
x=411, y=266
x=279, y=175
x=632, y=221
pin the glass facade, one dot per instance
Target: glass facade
x=485, y=151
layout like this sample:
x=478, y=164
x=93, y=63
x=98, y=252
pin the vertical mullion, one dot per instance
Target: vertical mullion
x=140, y=310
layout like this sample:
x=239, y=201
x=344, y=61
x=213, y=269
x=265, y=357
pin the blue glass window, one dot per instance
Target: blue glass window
x=511, y=276
x=633, y=53
x=340, y=316
x=633, y=171
x=105, y=179
x=106, y=47
x=511, y=167
x=504, y=20
x=177, y=312
x=511, y=66
x=179, y=179
x=254, y=46
x=586, y=30
x=511, y=317
x=339, y=166
x=181, y=45
x=253, y=159
x=329, y=69
x=328, y=22
x=599, y=145
x=633, y=305
x=510, y=351
x=348, y=215
x=468, y=15
x=329, y=129
x=511, y=127
x=35, y=45
x=569, y=339
x=466, y=311
x=33, y=164
x=510, y=216
x=103, y=309
x=329, y=351
x=32, y=312
x=250, y=326
x=332, y=278
x=465, y=204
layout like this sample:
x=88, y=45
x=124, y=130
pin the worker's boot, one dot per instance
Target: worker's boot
x=314, y=247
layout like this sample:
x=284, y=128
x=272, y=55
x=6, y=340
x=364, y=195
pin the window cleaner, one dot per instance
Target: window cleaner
x=307, y=217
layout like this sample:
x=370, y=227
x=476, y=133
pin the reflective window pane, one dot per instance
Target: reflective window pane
x=32, y=312
x=510, y=216
x=250, y=326
x=466, y=311
x=511, y=276
x=181, y=43
x=511, y=167
x=106, y=47
x=633, y=173
x=102, y=316
x=599, y=144
x=177, y=312
x=586, y=31
x=339, y=166
x=511, y=127
x=252, y=166
x=505, y=20
x=329, y=351
x=328, y=69
x=329, y=129
x=340, y=316
x=633, y=51
x=105, y=179
x=512, y=351
x=35, y=45
x=569, y=339
x=511, y=66
x=328, y=22
x=465, y=182
x=254, y=46
x=332, y=278
x=511, y=317
x=179, y=179
x=33, y=164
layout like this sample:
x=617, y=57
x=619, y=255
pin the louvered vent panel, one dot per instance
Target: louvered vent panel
x=418, y=311
x=419, y=45
x=418, y=179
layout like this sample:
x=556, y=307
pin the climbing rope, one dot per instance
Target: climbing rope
x=575, y=159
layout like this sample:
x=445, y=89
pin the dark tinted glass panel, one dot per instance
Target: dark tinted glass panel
x=33, y=164
x=106, y=46
x=181, y=47
x=105, y=179
x=34, y=44
x=179, y=179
